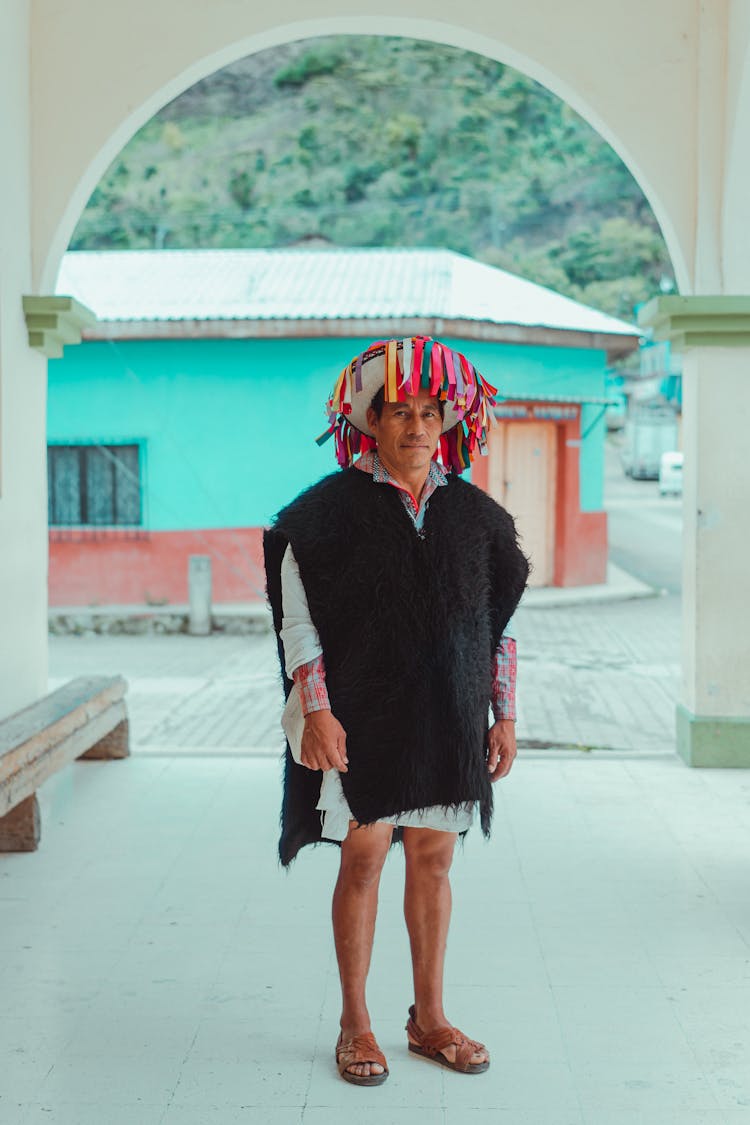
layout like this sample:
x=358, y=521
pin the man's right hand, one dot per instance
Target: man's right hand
x=324, y=742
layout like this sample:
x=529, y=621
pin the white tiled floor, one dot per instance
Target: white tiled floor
x=157, y=967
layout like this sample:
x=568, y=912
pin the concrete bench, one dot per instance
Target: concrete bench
x=85, y=718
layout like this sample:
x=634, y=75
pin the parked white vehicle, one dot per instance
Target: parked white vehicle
x=670, y=474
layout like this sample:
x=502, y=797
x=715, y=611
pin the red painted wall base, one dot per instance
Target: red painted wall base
x=88, y=567
x=583, y=561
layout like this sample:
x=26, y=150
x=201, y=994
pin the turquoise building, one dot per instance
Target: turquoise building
x=189, y=414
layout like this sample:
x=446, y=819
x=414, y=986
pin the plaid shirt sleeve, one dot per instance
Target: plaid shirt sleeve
x=504, y=680
x=310, y=678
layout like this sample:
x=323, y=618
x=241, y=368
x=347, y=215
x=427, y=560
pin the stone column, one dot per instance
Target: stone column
x=713, y=714
x=31, y=327
x=23, y=488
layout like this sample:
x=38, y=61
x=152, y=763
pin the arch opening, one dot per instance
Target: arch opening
x=425, y=30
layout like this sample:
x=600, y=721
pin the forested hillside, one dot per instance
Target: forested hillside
x=385, y=142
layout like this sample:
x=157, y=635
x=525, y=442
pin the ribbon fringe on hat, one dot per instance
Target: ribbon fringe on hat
x=422, y=362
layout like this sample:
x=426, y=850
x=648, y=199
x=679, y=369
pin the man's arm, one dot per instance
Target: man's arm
x=310, y=679
x=323, y=739
x=504, y=679
x=501, y=740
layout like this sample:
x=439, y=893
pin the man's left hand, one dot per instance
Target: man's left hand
x=501, y=744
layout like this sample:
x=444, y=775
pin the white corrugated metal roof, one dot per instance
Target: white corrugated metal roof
x=307, y=284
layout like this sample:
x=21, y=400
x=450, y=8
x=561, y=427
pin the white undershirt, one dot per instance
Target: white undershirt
x=298, y=634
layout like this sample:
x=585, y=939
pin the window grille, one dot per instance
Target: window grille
x=94, y=486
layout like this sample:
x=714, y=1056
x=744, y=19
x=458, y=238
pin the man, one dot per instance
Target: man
x=391, y=584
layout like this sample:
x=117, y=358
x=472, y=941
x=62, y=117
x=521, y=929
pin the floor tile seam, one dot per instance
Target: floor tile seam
x=33, y=1102
x=229, y=935
x=80, y=873
x=586, y=1088
x=558, y=1020
x=689, y=859
x=156, y=1105
x=85, y=1014
x=318, y=1036
x=686, y=1033
x=176, y=862
x=185, y=1057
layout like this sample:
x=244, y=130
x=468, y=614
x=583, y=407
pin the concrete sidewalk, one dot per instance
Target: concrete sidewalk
x=158, y=968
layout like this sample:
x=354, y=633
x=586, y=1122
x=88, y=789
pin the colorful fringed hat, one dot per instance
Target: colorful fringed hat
x=402, y=367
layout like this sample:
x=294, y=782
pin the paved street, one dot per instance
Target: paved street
x=599, y=675
x=645, y=529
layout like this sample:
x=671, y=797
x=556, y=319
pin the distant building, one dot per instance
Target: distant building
x=654, y=375
x=188, y=416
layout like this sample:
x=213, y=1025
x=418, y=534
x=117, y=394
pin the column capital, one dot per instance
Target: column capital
x=52, y=322
x=695, y=322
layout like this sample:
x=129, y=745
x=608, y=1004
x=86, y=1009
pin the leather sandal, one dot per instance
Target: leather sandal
x=431, y=1045
x=356, y=1051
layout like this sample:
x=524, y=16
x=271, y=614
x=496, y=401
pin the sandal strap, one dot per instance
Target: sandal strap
x=440, y=1038
x=357, y=1050
x=467, y=1049
x=434, y=1042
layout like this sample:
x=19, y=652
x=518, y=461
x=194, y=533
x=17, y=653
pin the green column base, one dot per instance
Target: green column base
x=713, y=741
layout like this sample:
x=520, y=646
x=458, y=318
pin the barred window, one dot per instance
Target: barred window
x=94, y=485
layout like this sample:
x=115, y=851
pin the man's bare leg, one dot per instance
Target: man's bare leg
x=355, y=905
x=427, y=909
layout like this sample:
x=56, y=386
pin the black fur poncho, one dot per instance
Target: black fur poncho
x=409, y=625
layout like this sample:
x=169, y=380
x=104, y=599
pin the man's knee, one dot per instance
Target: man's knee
x=363, y=855
x=429, y=853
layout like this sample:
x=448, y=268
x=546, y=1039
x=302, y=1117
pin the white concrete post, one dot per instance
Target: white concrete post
x=713, y=714
x=199, y=593
x=716, y=552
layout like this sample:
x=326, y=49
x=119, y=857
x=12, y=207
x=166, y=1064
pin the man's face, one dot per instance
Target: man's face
x=407, y=432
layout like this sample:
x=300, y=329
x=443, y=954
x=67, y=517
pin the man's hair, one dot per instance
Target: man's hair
x=378, y=402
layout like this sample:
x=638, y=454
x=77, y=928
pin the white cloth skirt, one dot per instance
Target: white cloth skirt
x=336, y=814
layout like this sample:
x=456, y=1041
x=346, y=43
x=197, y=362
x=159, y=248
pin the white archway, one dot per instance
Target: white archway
x=123, y=120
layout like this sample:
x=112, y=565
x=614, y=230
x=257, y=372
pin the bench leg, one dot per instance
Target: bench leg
x=116, y=744
x=20, y=828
